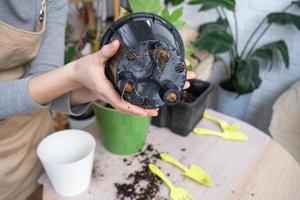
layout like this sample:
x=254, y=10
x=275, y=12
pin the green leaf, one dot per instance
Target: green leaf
x=219, y=25
x=209, y=4
x=297, y=3
x=152, y=6
x=245, y=78
x=176, y=14
x=256, y=80
x=174, y=2
x=165, y=14
x=214, y=37
x=174, y=17
x=189, y=68
x=187, y=53
x=214, y=42
x=178, y=24
x=284, y=19
x=267, y=52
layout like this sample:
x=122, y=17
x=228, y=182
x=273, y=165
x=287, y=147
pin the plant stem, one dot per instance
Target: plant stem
x=226, y=17
x=261, y=35
x=257, y=40
x=236, y=31
x=252, y=35
x=233, y=51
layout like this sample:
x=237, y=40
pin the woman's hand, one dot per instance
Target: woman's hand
x=89, y=73
x=97, y=86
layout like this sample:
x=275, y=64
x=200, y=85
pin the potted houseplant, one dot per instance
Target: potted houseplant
x=243, y=68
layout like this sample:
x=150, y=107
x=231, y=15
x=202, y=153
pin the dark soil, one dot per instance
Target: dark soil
x=96, y=173
x=141, y=184
x=187, y=96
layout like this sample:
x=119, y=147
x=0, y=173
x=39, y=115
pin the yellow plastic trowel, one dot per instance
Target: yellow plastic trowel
x=194, y=172
x=227, y=134
x=176, y=193
x=223, y=124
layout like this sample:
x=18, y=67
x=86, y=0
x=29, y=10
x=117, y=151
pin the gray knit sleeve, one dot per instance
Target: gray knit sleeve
x=51, y=53
x=15, y=98
x=14, y=95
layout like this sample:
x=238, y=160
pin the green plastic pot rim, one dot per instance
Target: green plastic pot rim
x=114, y=110
x=104, y=107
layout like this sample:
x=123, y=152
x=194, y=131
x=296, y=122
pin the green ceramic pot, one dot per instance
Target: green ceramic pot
x=123, y=134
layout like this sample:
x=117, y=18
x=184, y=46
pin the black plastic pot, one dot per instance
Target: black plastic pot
x=184, y=116
x=149, y=69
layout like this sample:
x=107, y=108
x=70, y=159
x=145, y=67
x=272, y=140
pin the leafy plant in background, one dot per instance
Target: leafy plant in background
x=174, y=2
x=154, y=6
x=218, y=37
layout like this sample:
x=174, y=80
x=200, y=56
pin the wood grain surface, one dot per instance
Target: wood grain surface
x=256, y=169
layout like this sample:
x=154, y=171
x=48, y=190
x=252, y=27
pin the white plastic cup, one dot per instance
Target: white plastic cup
x=67, y=157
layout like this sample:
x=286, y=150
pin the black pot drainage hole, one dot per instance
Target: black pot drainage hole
x=149, y=69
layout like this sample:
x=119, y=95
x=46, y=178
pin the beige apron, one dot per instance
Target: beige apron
x=20, y=135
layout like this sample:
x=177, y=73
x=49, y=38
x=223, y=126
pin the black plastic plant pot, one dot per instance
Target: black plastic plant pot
x=149, y=69
x=185, y=115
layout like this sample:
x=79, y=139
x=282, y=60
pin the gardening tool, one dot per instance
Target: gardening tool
x=227, y=134
x=176, y=193
x=194, y=172
x=223, y=124
x=149, y=69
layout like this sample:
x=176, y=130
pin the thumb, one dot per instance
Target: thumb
x=108, y=51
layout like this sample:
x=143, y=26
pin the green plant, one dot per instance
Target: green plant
x=154, y=6
x=174, y=2
x=220, y=37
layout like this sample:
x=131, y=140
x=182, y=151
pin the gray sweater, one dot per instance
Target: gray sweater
x=14, y=95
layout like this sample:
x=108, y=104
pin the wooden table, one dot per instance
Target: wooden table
x=256, y=169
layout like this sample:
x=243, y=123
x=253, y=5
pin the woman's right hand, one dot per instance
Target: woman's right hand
x=88, y=72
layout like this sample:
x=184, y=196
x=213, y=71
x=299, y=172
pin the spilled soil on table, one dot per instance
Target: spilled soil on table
x=141, y=184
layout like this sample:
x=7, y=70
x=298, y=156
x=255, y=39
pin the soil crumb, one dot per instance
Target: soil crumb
x=141, y=184
x=96, y=173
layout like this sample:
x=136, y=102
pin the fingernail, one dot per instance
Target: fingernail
x=154, y=114
x=115, y=42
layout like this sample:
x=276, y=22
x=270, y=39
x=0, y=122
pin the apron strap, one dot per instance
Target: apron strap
x=42, y=15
